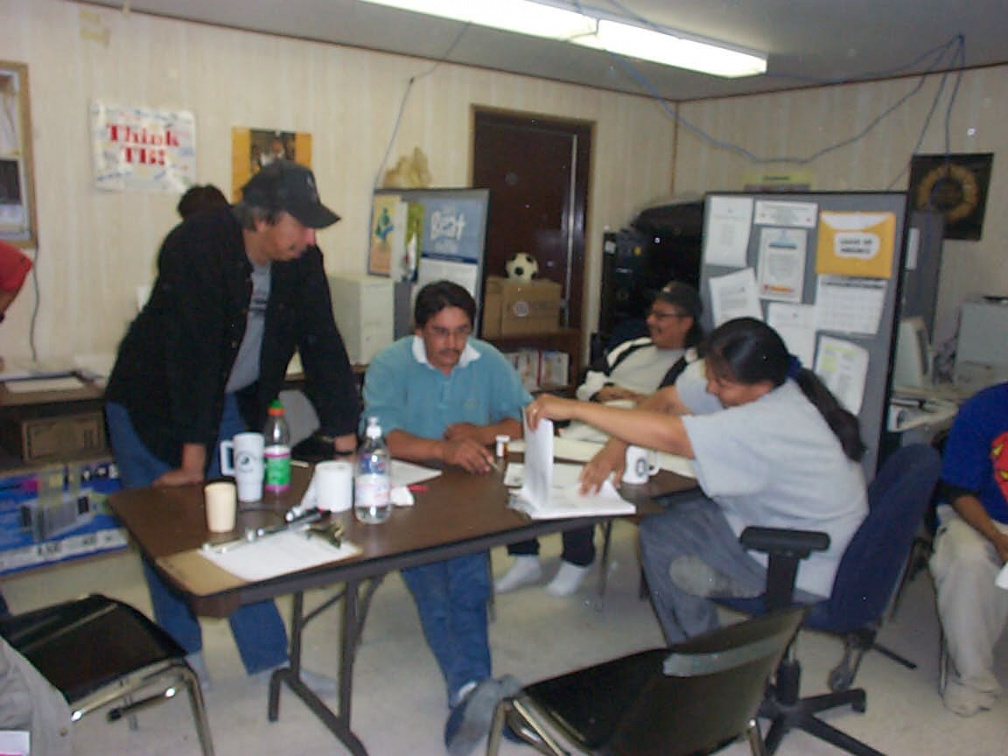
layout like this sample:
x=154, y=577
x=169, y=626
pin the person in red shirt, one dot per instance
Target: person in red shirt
x=14, y=268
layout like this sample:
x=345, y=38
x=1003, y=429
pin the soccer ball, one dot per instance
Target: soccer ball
x=522, y=267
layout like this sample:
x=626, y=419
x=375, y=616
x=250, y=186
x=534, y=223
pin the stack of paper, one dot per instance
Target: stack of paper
x=550, y=490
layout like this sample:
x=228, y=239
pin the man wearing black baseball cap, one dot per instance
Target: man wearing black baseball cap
x=238, y=290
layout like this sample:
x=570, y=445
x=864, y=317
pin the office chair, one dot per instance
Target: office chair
x=99, y=652
x=696, y=697
x=865, y=582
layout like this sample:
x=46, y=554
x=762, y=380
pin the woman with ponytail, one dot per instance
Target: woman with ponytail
x=781, y=453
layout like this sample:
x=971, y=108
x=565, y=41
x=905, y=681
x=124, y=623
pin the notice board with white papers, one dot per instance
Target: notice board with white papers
x=824, y=269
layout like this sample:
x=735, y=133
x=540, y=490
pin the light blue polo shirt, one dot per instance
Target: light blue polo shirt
x=406, y=393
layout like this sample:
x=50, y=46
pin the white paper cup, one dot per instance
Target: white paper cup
x=221, y=506
x=334, y=485
x=247, y=465
x=641, y=464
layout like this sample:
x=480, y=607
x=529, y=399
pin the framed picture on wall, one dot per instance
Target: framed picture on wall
x=956, y=187
x=17, y=185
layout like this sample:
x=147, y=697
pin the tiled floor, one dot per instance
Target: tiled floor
x=399, y=703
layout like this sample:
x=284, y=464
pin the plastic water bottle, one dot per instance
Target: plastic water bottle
x=373, y=483
x=277, y=451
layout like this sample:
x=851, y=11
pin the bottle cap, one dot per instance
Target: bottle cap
x=276, y=407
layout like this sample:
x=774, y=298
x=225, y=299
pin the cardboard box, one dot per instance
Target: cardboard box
x=51, y=438
x=520, y=307
x=57, y=512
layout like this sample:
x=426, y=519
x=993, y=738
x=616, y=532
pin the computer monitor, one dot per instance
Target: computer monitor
x=912, y=366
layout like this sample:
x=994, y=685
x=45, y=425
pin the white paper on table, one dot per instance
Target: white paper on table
x=775, y=213
x=279, y=554
x=843, y=367
x=796, y=325
x=576, y=449
x=850, y=304
x=781, y=263
x=734, y=296
x=726, y=239
x=407, y=473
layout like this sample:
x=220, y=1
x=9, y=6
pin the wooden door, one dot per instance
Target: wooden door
x=537, y=172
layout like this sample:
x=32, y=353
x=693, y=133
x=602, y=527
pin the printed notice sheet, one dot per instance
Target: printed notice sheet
x=727, y=237
x=734, y=296
x=774, y=213
x=796, y=325
x=843, y=367
x=850, y=305
x=781, y=263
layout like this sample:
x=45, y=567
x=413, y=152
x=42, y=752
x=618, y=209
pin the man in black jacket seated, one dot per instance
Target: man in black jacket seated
x=238, y=290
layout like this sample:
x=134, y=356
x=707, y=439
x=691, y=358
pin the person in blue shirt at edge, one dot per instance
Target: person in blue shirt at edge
x=971, y=547
x=238, y=290
x=442, y=395
x=781, y=452
x=629, y=372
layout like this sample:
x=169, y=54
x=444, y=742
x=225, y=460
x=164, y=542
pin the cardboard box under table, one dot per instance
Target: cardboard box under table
x=520, y=307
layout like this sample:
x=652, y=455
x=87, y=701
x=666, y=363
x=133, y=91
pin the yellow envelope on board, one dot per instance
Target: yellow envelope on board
x=856, y=244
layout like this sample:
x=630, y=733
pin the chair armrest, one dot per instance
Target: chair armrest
x=785, y=548
x=799, y=543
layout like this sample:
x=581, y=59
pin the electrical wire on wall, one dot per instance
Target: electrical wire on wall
x=405, y=99
x=948, y=58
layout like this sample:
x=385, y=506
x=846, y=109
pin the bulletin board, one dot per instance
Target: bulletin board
x=824, y=269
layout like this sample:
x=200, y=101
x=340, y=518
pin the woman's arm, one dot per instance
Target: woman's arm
x=643, y=427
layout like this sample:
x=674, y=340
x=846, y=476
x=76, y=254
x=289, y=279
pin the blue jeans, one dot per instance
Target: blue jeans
x=258, y=629
x=451, y=598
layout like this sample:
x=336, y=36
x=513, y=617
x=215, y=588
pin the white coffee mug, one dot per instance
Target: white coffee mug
x=641, y=464
x=247, y=465
x=334, y=485
x=221, y=506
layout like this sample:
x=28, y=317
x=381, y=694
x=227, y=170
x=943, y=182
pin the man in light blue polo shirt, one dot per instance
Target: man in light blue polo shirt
x=443, y=396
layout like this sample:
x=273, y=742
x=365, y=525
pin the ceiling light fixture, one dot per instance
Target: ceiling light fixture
x=591, y=29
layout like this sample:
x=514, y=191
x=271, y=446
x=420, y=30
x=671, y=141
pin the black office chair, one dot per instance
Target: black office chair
x=696, y=697
x=865, y=582
x=99, y=652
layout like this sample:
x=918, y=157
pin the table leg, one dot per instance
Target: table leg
x=355, y=609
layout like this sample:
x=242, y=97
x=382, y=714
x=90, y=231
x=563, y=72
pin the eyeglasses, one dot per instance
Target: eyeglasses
x=662, y=315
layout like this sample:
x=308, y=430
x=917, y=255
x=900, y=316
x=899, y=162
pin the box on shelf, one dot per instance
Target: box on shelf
x=40, y=439
x=57, y=512
x=526, y=364
x=520, y=307
x=554, y=369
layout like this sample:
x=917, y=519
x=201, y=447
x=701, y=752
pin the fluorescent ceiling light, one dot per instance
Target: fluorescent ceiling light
x=668, y=47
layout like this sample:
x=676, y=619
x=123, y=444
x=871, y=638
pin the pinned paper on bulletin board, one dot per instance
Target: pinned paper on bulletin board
x=856, y=244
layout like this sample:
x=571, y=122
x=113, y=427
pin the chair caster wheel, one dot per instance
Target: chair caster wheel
x=840, y=678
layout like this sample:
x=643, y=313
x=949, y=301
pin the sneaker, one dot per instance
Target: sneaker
x=198, y=665
x=524, y=571
x=469, y=722
x=568, y=579
x=966, y=701
x=695, y=576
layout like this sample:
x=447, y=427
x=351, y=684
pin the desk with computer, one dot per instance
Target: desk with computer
x=921, y=404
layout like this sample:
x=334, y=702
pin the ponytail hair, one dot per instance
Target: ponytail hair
x=749, y=351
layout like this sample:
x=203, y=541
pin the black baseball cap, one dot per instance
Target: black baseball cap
x=683, y=296
x=285, y=185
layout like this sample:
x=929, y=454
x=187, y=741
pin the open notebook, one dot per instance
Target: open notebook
x=550, y=490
